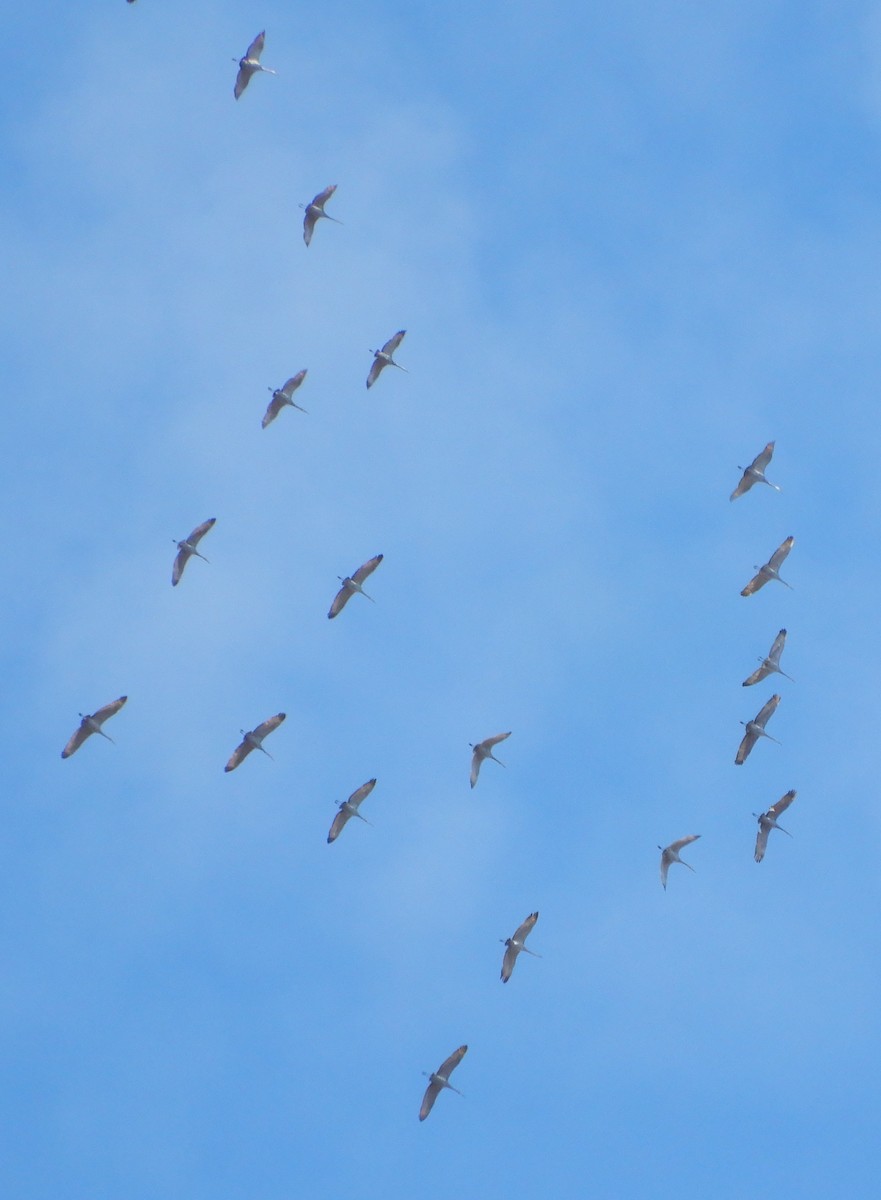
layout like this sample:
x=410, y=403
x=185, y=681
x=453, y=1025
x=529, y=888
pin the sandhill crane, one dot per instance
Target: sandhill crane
x=755, y=473
x=440, y=1079
x=91, y=723
x=515, y=944
x=253, y=741
x=768, y=821
x=352, y=583
x=756, y=729
x=315, y=211
x=771, y=663
x=670, y=854
x=349, y=808
x=770, y=569
x=187, y=548
x=250, y=64
x=383, y=358
x=484, y=750
x=282, y=396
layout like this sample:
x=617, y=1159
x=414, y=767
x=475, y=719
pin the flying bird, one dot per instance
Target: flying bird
x=187, y=548
x=383, y=358
x=440, y=1079
x=315, y=211
x=282, y=396
x=771, y=663
x=251, y=64
x=670, y=854
x=756, y=729
x=349, y=808
x=253, y=741
x=755, y=473
x=484, y=750
x=768, y=821
x=91, y=723
x=352, y=583
x=517, y=943
x=770, y=569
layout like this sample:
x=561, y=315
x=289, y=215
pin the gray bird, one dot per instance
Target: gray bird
x=755, y=729
x=755, y=473
x=349, y=808
x=187, y=548
x=770, y=664
x=250, y=64
x=768, y=821
x=254, y=741
x=440, y=1079
x=315, y=211
x=91, y=723
x=283, y=396
x=483, y=750
x=770, y=569
x=352, y=583
x=517, y=943
x=670, y=854
x=383, y=358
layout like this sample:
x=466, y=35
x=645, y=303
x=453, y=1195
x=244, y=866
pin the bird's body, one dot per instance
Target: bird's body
x=349, y=808
x=771, y=569
x=755, y=473
x=440, y=1079
x=483, y=750
x=514, y=945
x=254, y=741
x=187, y=548
x=283, y=396
x=91, y=723
x=770, y=664
x=250, y=64
x=315, y=211
x=352, y=584
x=755, y=729
x=670, y=854
x=768, y=821
x=384, y=358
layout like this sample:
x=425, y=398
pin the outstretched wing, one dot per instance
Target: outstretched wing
x=762, y=838
x=766, y=711
x=757, y=676
x=362, y=793
x=267, y=726
x=77, y=739
x=476, y=760
x=276, y=404
x=243, y=78
x=781, y=805
x=392, y=344
x=200, y=531
x=777, y=647
x=322, y=198
x=747, y=742
x=367, y=569
x=508, y=961
x=487, y=744
x=778, y=557
x=338, y=825
x=746, y=482
x=256, y=48
x=758, y=581
x=675, y=847
x=309, y=223
x=376, y=370
x=523, y=931
x=762, y=459
x=293, y=383
x=239, y=755
x=431, y=1094
x=340, y=601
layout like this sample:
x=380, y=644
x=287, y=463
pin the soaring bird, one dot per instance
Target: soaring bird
x=484, y=750
x=91, y=723
x=755, y=473
x=517, y=943
x=187, y=548
x=282, y=396
x=770, y=569
x=254, y=741
x=383, y=358
x=670, y=854
x=352, y=583
x=768, y=821
x=251, y=64
x=770, y=664
x=440, y=1079
x=755, y=729
x=349, y=808
x=315, y=211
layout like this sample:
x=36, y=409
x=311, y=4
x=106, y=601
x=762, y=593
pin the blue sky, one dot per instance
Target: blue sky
x=629, y=248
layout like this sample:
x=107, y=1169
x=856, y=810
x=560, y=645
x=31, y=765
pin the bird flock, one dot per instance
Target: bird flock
x=755, y=730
